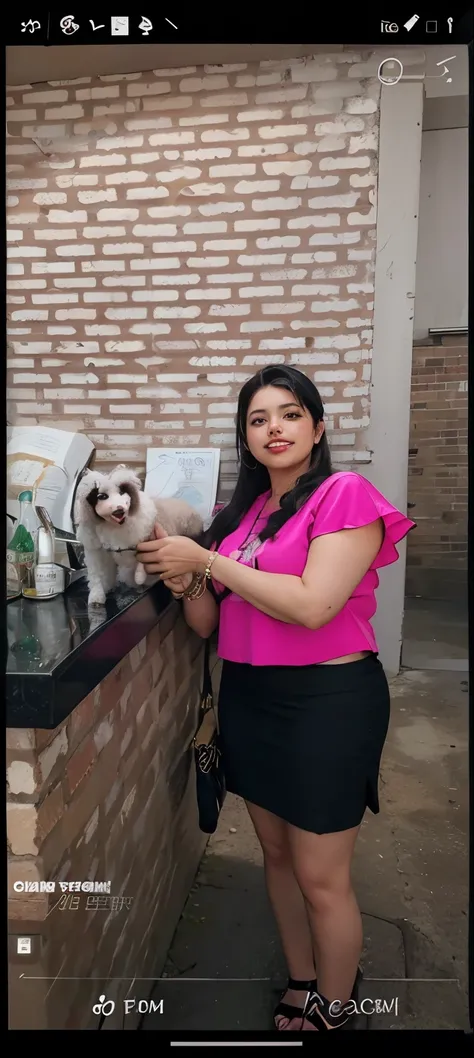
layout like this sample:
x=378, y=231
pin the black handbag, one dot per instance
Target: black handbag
x=210, y=781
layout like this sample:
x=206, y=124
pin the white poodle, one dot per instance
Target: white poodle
x=113, y=515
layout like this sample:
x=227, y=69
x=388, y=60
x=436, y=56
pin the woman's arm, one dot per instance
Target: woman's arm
x=202, y=615
x=337, y=562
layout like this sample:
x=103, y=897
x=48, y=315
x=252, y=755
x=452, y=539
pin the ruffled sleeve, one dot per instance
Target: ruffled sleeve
x=349, y=501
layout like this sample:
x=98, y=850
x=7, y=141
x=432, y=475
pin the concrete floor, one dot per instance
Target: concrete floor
x=225, y=966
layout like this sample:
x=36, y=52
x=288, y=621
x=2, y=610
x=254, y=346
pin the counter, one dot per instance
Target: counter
x=101, y=791
x=59, y=650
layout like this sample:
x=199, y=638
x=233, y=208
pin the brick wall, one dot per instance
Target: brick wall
x=171, y=231
x=437, y=552
x=108, y=796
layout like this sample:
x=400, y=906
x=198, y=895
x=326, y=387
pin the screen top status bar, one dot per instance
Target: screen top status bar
x=48, y=28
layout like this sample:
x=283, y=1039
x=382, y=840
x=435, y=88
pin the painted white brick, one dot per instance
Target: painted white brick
x=206, y=154
x=329, y=238
x=152, y=88
x=201, y=84
x=207, y=262
x=170, y=103
x=105, y=296
x=366, y=142
x=361, y=105
x=55, y=299
x=362, y=218
x=169, y=211
x=282, y=168
x=50, y=198
x=21, y=115
x=178, y=172
x=255, y=326
x=152, y=122
x=328, y=220
x=262, y=224
x=252, y=187
x=26, y=376
x=237, y=277
x=204, y=328
x=283, y=94
x=225, y=244
x=227, y=171
x=85, y=250
x=38, y=408
x=264, y=205
x=360, y=255
x=53, y=234
x=26, y=184
x=359, y=161
x=66, y=113
x=303, y=183
x=163, y=139
x=271, y=132
x=262, y=151
x=306, y=289
x=313, y=71
x=308, y=258
x=362, y=180
x=214, y=209
x=283, y=273
x=15, y=269
x=259, y=292
x=26, y=284
x=14, y=235
x=26, y=251
x=176, y=312
x=282, y=308
x=182, y=279
x=223, y=135
x=276, y=242
x=90, y=197
x=227, y=99
x=82, y=180
x=151, y=263
x=142, y=193
x=229, y=310
x=205, y=119
x=108, y=92
x=260, y=114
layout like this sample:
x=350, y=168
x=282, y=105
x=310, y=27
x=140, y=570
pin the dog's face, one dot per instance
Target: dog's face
x=115, y=497
x=111, y=503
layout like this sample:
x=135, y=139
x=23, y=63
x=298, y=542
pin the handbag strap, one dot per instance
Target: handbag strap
x=206, y=678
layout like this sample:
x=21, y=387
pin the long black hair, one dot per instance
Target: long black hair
x=254, y=479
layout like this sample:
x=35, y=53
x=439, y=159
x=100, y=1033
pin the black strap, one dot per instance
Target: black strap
x=206, y=678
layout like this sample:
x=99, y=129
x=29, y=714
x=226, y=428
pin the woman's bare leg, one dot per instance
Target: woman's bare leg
x=322, y=867
x=287, y=901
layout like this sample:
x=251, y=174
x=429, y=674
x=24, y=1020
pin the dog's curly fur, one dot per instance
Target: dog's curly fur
x=109, y=545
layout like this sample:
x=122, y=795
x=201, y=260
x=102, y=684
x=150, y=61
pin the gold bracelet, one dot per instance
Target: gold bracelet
x=212, y=558
x=182, y=594
x=198, y=591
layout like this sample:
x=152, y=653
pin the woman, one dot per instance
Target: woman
x=291, y=564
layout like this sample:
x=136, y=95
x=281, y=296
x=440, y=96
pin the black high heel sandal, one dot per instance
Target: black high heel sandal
x=287, y=1010
x=320, y=1012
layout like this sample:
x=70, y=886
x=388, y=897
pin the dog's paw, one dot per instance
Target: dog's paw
x=96, y=598
x=140, y=577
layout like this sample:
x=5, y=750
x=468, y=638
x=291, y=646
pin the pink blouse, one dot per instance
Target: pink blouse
x=343, y=501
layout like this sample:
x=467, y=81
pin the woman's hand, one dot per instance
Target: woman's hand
x=172, y=556
x=178, y=585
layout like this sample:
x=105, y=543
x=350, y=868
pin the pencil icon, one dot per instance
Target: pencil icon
x=411, y=22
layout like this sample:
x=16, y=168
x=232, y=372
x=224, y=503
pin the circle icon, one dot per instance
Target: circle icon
x=390, y=71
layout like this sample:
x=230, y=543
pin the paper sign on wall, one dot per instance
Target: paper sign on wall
x=189, y=474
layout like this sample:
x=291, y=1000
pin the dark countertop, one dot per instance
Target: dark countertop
x=59, y=650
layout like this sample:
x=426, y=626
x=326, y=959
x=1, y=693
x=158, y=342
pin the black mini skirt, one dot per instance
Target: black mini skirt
x=305, y=742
